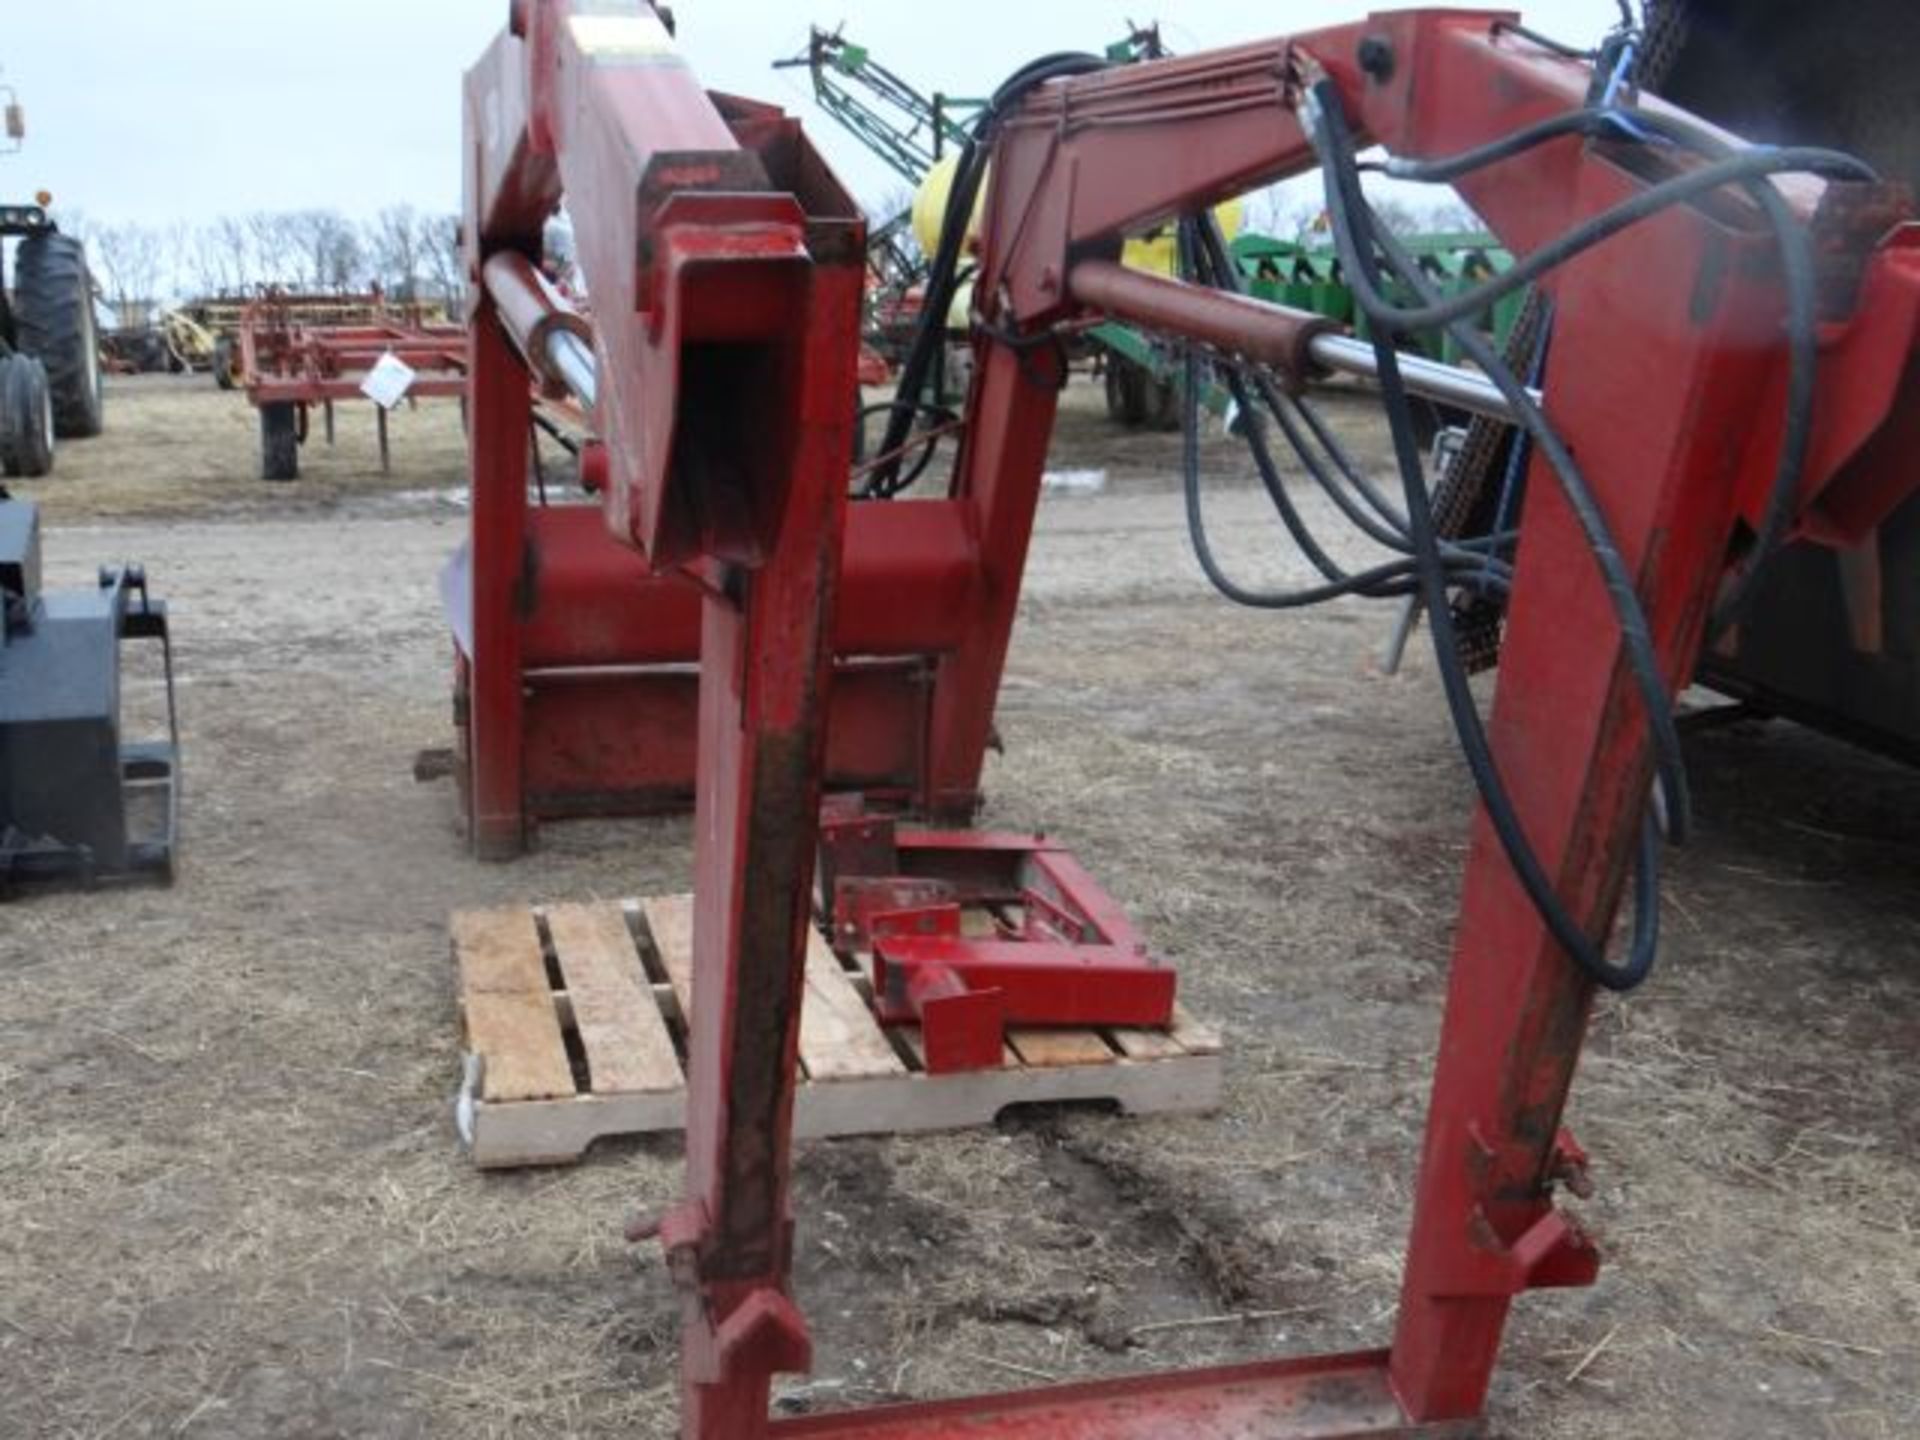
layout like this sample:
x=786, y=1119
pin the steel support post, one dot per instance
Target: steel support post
x=1569, y=735
x=1002, y=457
x=499, y=409
x=765, y=663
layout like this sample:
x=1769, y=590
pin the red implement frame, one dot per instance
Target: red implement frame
x=290, y=362
x=1051, y=947
x=287, y=359
x=1691, y=297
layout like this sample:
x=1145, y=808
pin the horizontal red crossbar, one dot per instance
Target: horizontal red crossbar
x=1039, y=983
x=309, y=392
x=1322, y=1397
x=907, y=589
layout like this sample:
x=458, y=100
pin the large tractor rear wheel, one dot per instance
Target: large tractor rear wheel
x=26, y=417
x=53, y=315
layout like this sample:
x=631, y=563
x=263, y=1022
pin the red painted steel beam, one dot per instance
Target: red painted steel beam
x=907, y=590
x=312, y=392
x=1332, y=1397
x=1164, y=138
x=1042, y=983
x=499, y=409
x=726, y=281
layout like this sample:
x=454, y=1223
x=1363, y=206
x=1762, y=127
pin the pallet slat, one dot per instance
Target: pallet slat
x=839, y=1037
x=1047, y=1047
x=1195, y=1036
x=498, y=950
x=506, y=1006
x=621, y=1028
x=519, y=1035
x=1145, y=1044
x=670, y=921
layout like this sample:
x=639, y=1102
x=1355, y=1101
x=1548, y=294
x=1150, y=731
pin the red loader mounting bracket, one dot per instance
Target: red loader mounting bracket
x=973, y=931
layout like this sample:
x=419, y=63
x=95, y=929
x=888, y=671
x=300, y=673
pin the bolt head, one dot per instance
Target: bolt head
x=1376, y=57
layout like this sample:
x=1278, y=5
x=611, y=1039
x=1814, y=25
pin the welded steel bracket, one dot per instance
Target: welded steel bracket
x=971, y=932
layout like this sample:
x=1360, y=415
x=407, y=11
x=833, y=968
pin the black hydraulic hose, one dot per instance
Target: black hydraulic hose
x=923, y=452
x=1797, y=272
x=1471, y=563
x=1589, y=121
x=1330, y=443
x=930, y=331
x=1395, y=578
x=1205, y=257
x=1215, y=266
x=1209, y=262
x=1332, y=140
x=929, y=336
x=1389, y=531
x=1349, y=213
x=1594, y=121
x=1545, y=42
x=1747, y=165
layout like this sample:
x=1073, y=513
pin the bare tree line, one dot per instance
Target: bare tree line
x=1293, y=212
x=409, y=253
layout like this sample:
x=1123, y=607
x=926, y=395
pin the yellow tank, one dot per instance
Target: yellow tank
x=930, y=205
x=1152, y=252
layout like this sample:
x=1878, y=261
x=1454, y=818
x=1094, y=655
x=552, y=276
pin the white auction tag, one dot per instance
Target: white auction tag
x=388, y=381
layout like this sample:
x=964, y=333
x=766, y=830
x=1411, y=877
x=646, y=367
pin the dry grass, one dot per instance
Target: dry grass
x=177, y=447
x=231, y=1203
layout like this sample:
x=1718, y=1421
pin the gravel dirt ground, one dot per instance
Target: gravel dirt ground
x=232, y=1202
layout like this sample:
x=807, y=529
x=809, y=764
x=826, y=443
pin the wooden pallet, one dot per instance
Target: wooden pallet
x=574, y=1020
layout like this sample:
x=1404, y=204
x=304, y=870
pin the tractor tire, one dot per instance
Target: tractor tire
x=53, y=315
x=1126, y=392
x=26, y=417
x=1160, y=402
x=223, y=363
x=279, y=443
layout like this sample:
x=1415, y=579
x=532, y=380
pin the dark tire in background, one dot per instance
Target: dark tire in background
x=223, y=363
x=1161, y=402
x=279, y=443
x=26, y=417
x=53, y=316
x=1126, y=397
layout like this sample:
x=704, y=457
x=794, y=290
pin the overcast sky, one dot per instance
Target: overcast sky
x=178, y=110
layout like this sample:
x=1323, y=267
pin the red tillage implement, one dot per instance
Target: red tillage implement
x=289, y=363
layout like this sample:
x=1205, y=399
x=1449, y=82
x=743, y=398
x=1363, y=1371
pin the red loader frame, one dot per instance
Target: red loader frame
x=744, y=244
x=575, y=686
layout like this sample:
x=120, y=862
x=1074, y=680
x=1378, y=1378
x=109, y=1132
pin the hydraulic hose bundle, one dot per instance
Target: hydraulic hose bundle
x=887, y=477
x=1369, y=253
x=1424, y=563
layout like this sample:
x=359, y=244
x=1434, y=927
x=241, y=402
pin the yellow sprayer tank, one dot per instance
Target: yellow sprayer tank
x=1152, y=252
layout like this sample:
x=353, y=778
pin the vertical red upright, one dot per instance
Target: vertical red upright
x=499, y=410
